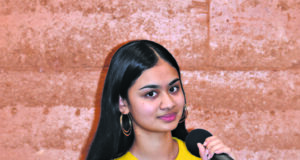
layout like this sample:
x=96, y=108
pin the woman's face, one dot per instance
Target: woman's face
x=156, y=99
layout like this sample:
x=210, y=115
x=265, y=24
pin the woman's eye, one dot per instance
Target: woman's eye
x=174, y=89
x=151, y=94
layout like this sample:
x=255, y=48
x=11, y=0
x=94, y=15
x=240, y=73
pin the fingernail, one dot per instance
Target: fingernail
x=210, y=156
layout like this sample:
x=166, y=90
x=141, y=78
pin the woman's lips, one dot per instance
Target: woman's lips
x=168, y=117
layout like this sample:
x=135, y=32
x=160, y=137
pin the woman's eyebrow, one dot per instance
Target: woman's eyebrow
x=174, y=81
x=153, y=86
x=150, y=86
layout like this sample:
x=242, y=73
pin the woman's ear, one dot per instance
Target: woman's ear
x=123, y=106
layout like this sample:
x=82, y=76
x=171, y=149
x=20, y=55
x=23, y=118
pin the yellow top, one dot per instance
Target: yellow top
x=183, y=153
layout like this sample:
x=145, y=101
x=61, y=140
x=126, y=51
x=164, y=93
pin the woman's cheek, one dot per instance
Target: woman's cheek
x=146, y=108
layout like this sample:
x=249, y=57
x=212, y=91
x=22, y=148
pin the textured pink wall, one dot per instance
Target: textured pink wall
x=240, y=63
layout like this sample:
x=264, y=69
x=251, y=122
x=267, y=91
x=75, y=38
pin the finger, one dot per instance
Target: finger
x=212, y=142
x=216, y=146
x=209, y=140
x=216, y=149
x=202, y=151
x=222, y=149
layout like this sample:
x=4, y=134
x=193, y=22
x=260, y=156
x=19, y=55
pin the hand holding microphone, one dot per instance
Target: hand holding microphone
x=201, y=142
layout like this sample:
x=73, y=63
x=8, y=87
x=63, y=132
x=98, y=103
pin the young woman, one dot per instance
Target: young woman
x=143, y=108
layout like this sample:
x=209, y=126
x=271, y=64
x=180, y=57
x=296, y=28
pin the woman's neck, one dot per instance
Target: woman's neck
x=154, y=146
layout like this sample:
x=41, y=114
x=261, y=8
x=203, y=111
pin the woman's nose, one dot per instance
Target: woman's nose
x=167, y=101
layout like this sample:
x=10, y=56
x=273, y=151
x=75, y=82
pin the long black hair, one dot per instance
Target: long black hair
x=126, y=65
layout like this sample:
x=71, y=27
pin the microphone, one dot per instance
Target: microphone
x=199, y=136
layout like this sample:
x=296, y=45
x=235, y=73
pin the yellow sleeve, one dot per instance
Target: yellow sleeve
x=127, y=156
x=183, y=153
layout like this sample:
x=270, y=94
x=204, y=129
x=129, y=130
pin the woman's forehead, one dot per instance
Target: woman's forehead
x=162, y=73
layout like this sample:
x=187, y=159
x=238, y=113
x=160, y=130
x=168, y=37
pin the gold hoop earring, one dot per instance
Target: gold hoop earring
x=184, y=114
x=126, y=132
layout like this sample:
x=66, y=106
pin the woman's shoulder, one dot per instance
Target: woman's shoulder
x=183, y=151
x=127, y=156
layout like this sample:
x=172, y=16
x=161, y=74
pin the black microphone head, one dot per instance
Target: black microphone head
x=194, y=137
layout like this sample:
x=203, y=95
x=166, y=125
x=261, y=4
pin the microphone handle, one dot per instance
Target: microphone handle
x=222, y=156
